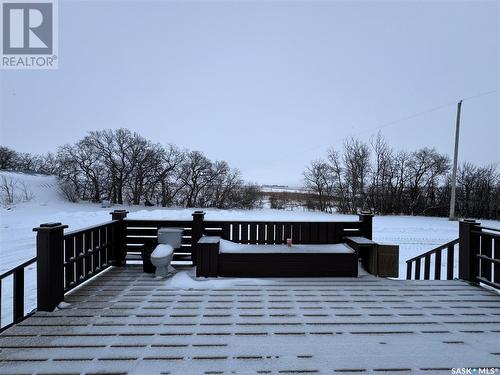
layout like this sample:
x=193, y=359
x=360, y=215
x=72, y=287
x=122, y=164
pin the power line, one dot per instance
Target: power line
x=394, y=122
x=481, y=94
x=424, y=112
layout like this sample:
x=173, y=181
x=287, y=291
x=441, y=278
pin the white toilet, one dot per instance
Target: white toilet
x=168, y=240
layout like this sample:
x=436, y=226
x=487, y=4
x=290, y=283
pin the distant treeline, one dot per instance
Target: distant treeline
x=124, y=167
x=376, y=177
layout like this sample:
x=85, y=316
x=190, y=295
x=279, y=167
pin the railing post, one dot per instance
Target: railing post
x=366, y=218
x=468, y=246
x=196, y=232
x=50, y=265
x=119, y=237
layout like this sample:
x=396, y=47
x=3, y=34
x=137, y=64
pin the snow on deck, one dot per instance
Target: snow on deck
x=238, y=248
x=127, y=321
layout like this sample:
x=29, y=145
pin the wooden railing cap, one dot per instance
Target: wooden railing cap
x=471, y=221
x=119, y=212
x=49, y=227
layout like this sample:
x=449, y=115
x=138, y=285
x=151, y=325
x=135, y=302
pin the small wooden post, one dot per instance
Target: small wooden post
x=196, y=232
x=468, y=246
x=119, y=237
x=366, y=218
x=50, y=265
x=207, y=257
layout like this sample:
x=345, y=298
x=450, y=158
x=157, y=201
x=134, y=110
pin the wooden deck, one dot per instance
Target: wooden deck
x=124, y=321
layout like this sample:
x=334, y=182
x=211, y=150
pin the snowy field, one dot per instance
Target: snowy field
x=414, y=235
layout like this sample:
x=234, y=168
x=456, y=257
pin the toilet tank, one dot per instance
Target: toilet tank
x=170, y=236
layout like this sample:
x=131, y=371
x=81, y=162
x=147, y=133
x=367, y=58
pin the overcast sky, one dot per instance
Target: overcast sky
x=265, y=85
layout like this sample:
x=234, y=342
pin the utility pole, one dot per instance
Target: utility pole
x=455, y=161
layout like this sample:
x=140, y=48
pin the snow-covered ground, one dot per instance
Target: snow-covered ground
x=414, y=235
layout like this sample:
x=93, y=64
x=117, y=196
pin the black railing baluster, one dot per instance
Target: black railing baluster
x=450, y=260
x=408, y=270
x=18, y=300
x=87, y=240
x=96, y=249
x=79, y=258
x=69, y=255
x=427, y=267
x=437, y=265
x=270, y=233
x=417, y=269
x=102, y=247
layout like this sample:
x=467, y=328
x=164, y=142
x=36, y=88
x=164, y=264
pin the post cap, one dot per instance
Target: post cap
x=118, y=214
x=470, y=221
x=366, y=213
x=199, y=213
x=49, y=226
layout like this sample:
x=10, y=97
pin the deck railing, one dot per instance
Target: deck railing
x=485, y=244
x=65, y=260
x=140, y=231
x=17, y=293
x=434, y=256
x=87, y=252
x=478, y=258
x=268, y=232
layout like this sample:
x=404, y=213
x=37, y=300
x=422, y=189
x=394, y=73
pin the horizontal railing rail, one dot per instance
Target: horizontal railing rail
x=433, y=256
x=490, y=228
x=18, y=296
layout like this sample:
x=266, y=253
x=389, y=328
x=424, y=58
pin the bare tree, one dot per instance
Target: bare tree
x=8, y=190
x=319, y=179
x=356, y=160
x=381, y=172
x=426, y=167
x=25, y=194
x=171, y=159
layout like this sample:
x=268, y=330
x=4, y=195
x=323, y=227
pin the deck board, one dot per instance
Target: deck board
x=125, y=321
